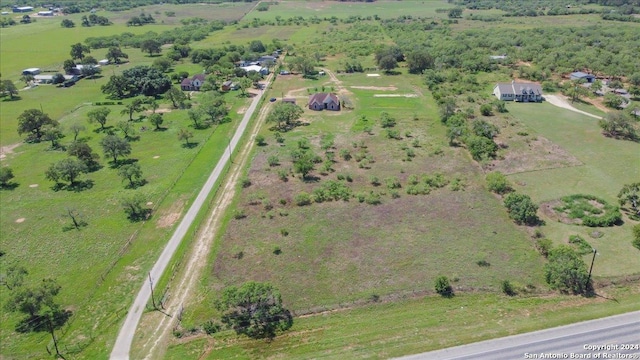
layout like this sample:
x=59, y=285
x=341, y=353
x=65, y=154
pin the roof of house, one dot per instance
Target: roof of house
x=323, y=98
x=185, y=82
x=200, y=77
x=255, y=68
x=227, y=83
x=580, y=74
x=519, y=88
x=291, y=100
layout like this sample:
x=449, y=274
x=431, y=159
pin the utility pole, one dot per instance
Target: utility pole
x=153, y=299
x=591, y=268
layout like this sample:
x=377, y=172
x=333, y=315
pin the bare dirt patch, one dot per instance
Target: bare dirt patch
x=171, y=215
x=20, y=220
x=396, y=95
x=381, y=88
x=157, y=157
x=33, y=185
x=6, y=150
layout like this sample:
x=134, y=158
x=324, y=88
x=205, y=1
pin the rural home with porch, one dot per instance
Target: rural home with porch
x=322, y=101
x=518, y=91
x=193, y=84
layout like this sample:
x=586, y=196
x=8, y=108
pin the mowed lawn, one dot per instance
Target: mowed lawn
x=340, y=253
x=608, y=165
x=327, y=9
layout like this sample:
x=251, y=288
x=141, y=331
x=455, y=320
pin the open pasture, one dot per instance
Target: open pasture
x=328, y=9
x=607, y=164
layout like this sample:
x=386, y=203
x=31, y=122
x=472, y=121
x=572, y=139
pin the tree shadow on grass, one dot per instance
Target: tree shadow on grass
x=69, y=227
x=9, y=186
x=310, y=179
x=101, y=130
x=136, y=184
x=120, y=162
x=143, y=214
x=161, y=129
x=190, y=145
x=80, y=185
x=14, y=98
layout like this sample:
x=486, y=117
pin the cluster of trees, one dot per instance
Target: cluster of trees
x=139, y=80
x=285, y=115
x=8, y=88
x=141, y=19
x=619, y=125
x=94, y=19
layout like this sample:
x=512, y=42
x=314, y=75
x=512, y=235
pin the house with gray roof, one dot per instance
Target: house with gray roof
x=518, y=91
x=579, y=75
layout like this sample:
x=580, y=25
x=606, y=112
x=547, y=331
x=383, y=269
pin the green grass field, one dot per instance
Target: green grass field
x=327, y=9
x=608, y=165
x=408, y=326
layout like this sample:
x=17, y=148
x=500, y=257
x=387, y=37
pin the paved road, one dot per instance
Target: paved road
x=595, y=339
x=122, y=345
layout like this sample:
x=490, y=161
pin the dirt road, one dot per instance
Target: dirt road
x=557, y=100
x=123, y=342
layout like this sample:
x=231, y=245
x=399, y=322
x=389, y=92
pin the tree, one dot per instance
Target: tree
x=255, y=310
x=486, y=110
x=89, y=71
x=613, y=101
x=66, y=169
x=213, y=106
x=285, y=115
x=302, y=64
x=57, y=78
x=27, y=79
x=418, y=61
x=156, y=120
x=146, y=80
x=13, y=276
x=521, y=209
x=89, y=60
x=114, y=54
x=78, y=51
x=66, y=23
x=387, y=63
x=137, y=105
x=132, y=205
x=455, y=13
x=151, y=46
x=618, y=125
x=443, y=287
x=576, y=90
x=176, y=96
x=76, y=219
x=596, y=86
x=99, y=115
x=636, y=236
x=127, y=129
x=497, y=183
x=69, y=65
x=118, y=87
x=195, y=115
x=485, y=129
x=6, y=174
x=115, y=147
x=43, y=313
x=31, y=121
x=163, y=64
x=8, y=88
x=303, y=163
x=131, y=172
x=185, y=135
x=386, y=121
x=480, y=147
x=257, y=46
x=76, y=129
x=630, y=194
x=566, y=271
x=53, y=134
x=84, y=153
x=244, y=83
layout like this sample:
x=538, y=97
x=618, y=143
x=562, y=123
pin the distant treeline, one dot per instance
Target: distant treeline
x=549, y=7
x=77, y=6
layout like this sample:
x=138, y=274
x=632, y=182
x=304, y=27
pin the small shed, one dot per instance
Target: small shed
x=289, y=100
x=103, y=62
x=45, y=13
x=23, y=9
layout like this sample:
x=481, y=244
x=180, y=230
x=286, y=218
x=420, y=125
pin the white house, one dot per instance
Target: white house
x=518, y=91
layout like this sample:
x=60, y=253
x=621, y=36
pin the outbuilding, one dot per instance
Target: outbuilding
x=579, y=75
x=31, y=71
x=23, y=9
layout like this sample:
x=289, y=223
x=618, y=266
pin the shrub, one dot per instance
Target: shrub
x=386, y=121
x=345, y=154
x=393, y=134
x=581, y=207
x=246, y=183
x=284, y=232
x=521, y=209
x=457, y=184
x=436, y=181
x=279, y=138
x=239, y=214
x=283, y=174
x=544, y=246
x=331, y=190
x=497, y=183
x=302, y=199
x=393, y=183
x=486, y=110
x=277, y=250
x=273, y=160
x=210, y=327
x=267, y=204
x=443, y=287
x=394, y=194
x=507, y=288
x=566, y=271
x=483, y=263
x=374, y=180
x=260, y=140
x=373, y=199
